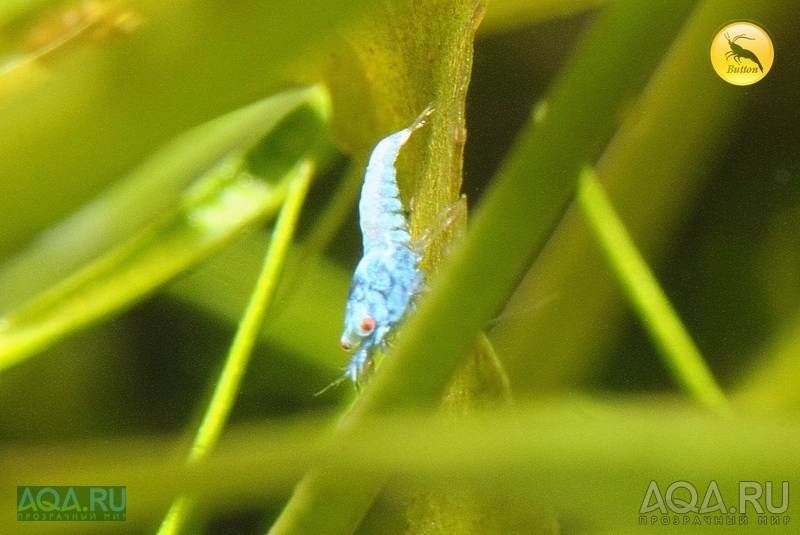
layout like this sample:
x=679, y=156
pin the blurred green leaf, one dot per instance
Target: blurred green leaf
x=773, y=385
x=221, y=286
x=678, y=350
x=10, y=9
x=590, y=459
x=73, y=124
x=152, y=191
x=227, y=199
x=508, y=15
x=653, y=170
x=218, y=411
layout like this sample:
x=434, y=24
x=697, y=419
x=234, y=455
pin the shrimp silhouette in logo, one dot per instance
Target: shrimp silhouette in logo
x=738, y=51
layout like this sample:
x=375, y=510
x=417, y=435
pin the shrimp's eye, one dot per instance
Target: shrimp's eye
x=367, y=325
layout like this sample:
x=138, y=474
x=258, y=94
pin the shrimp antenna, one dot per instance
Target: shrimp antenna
x=423, y=117
x=334, y=384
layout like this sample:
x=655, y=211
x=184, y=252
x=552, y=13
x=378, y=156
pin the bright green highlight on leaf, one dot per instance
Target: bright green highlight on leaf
x=227, y=388
x=654, y=309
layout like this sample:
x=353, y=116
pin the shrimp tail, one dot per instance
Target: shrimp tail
x=380, y=209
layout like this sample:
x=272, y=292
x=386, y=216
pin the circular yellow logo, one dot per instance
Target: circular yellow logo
x=742, y=53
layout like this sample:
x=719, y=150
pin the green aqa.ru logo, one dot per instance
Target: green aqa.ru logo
x=78, y=503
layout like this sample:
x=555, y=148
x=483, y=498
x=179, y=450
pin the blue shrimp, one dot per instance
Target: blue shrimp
x=388, y=278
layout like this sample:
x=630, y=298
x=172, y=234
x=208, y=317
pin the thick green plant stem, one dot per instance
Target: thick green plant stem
x=227, y=388
x=657, y=315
